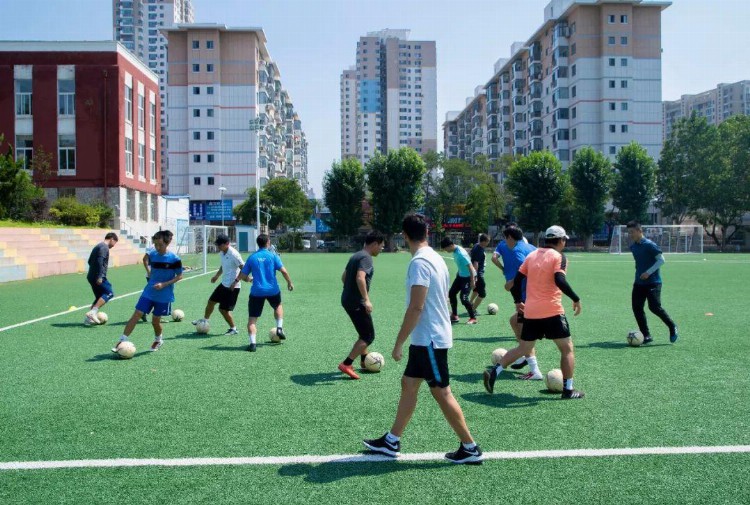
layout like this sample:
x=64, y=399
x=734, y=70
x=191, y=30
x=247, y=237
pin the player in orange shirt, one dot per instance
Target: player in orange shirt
x=544, y=316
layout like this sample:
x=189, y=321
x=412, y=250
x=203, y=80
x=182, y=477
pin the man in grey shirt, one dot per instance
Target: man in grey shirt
x=97, y=277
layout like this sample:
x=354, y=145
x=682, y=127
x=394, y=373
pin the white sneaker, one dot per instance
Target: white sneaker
x=531, y=376
x=92, y=316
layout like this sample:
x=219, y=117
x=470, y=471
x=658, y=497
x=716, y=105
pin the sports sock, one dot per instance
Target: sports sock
x=348, y=361
x=470, y=446
x=568, y=384
x=157, y=338
x=499, y=369
x=233, y=328
x=95, y=310
x=391, y=438
x=280, y=322
x=123, y=338
x=252, y=338
x=533, y=366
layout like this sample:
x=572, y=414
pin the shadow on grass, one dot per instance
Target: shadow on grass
x=111, y=356
x=326, y=473
x=235, y=348
x=478, y=377
x=618, y=345
x=194, y=335
x=504, y=400
x=485, y=340
x=319, y=379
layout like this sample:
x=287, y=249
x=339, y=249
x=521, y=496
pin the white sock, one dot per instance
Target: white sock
x=534, y=367
x=233, y=328
x=157, y=338
x=499, y=369
x=123, y=338
x=520, y=360
x=470, y=446
x=390, y=437
x=252, y=338
x=280, y=322
x=95, y=310
x=568, y=384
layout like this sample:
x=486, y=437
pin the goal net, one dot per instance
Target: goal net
x=196, y=244
x=671, y=238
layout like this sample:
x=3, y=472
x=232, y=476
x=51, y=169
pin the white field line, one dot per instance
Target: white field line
x=84, y=307
x=367, y=458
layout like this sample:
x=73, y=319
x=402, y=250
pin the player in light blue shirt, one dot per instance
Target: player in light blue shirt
x=260, y=269
x=464, y=282
x=166, y=270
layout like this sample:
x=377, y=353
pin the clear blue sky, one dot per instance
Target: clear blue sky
x=313, y=40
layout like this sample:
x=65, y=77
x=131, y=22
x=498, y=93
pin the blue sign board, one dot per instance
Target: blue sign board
x=321, y=226
x=211, y=210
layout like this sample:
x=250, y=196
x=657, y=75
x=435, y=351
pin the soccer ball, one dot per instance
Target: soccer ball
x=102, y=317
x=273, y=336
x=498, y=354
x=126, y=350
x=374, y=362
x=635, y=338
x=492, y=309
x=554, y=380
x=178, y=315
x=203, y=326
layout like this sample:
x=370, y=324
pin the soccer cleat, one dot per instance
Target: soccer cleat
x=280, y=333
x=648, y=339
x=571, y=394
x=490, y=376
x=251, y=348
x=531, y=376
x=156, y=345
x=117, y=346
x=672, y=336
x=454, y=319
x=464, y=456
x=231, y=331
x=383, y=446
x=348, y=370
x=87, y=321
x=519, y=364
x=472, y=320
x=91, y=315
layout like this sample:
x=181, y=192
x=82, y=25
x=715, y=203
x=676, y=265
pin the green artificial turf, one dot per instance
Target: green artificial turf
x=63, y=396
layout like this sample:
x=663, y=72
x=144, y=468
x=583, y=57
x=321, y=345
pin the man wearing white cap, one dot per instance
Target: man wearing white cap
x=544, y=316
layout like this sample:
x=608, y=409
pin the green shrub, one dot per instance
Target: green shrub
x=70, y=211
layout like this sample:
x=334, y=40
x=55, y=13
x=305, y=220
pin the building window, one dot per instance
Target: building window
x=612, y=105
x=196, y=135
x=196, y=113
x=573, y=112
x=66, y=155
x=624, y=106
x=196, y=158
x=612, y=128
x=623, y=84
x=196, y=44
x=624, y=19
x=209, y=44
x=211, y=181
x=624, y=128
x=25, y=150
x=611, y=84
x=196, y=90
x=210, y=90
x=141, y=112
x=23, y=97
x=66, y=97
x=153, y=164
x=575, y=133
x=128, y=156
x=623, y=62
x=611, y=62
x=573, y=91
x=141, y=161
x=611, y=41
x=611, y=18
x=573, y=49
x=209, y=113
x=624, y=41
x=128, y=104
x=573, y=70
x=152, y=118
x=209, y=67
x=210, y=158
x=196, y=67
x=209, y=135
x=197, y=181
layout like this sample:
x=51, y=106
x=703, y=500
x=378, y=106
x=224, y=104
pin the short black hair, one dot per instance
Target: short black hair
x=446, y=242
x=514, y=233
x=483, y=237
x=634, y=224
x=553, y=241
x=374, y=236
x=415, y=227
x=511, y=224
x=166, y=236
x=262, y=240
x=221, y=239
x=111, y=236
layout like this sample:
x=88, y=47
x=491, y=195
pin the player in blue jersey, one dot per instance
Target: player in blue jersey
x=647, y=286
x=465, y=280
x=261, y=269
x=166, y=270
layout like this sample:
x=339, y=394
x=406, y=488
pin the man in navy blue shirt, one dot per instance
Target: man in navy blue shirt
x=261, y=269
x=647, y=286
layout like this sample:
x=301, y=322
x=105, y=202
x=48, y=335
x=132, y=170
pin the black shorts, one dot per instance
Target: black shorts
x=480, y=288
x=429, y=364
x=362, y=322
x=550, y=327
x=225, y=297
x=103, y=290
x=255, y=304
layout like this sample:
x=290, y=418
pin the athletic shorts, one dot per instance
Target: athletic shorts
x=480, y=288
x=362, y=322
x=103, y=290
x=225, y=297
x=146, y=305
x=550, y=327
x=255, y=304
x=429, y=364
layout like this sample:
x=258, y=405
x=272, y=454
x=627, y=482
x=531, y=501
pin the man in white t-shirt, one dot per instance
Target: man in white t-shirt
x=227, y=292
x=427, y=320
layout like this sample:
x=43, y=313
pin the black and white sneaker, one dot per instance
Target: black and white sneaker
x=383, y=446
x=648, y=339
x=280, y=334
x=519, y=365
x=464, y=456
x=251, y=348
x=231, y=331
x=490, y=376
x=572, y=394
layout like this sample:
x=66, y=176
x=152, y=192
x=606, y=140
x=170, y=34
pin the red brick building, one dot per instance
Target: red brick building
x=95, y=108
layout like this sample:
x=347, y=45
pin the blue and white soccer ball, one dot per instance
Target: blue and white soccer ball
x=635, y=338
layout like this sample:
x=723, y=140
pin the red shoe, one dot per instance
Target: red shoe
x=454, y=319
x=473, y=320
x=348, y=370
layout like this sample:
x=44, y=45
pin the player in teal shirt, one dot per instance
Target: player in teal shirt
x=464, y=282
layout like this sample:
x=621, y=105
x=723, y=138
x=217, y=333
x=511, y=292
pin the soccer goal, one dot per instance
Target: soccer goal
x=671, y=238
x=196, y=243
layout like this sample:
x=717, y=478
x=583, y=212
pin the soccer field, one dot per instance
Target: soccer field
x=63, y=397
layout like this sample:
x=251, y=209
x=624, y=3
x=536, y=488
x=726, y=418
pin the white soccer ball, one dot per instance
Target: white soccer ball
x=203, y=326
x=498, y=354
x=554, y=380
x=178, y=315
x=635, y=338
x=126, y=350
x=492, y=309
x=102, y=317
x=374, y=362
x=273, y=336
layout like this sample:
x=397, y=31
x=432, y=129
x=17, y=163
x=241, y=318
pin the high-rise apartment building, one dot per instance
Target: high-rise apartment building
x=716, y=105
x=389, y=98
x=589, y=76
x=137, y=24
x=221, y=79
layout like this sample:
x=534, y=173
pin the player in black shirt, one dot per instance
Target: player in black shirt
x=477, y=259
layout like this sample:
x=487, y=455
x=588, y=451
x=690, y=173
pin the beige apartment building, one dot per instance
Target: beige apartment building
x=590, y=75
x=716, y=105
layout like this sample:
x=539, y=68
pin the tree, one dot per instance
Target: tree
x=395, y=183
x=634, y=184
x=446, y=190
x=17, y=191
x=287, y=203
x=536, y=183
x=478, y=207
x=344, y=190
x=693, y=144
x=245, y=212
x=591, y=179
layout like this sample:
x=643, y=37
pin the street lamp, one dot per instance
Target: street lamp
x=268, y=218
x=222, y=189
x=256, y=125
